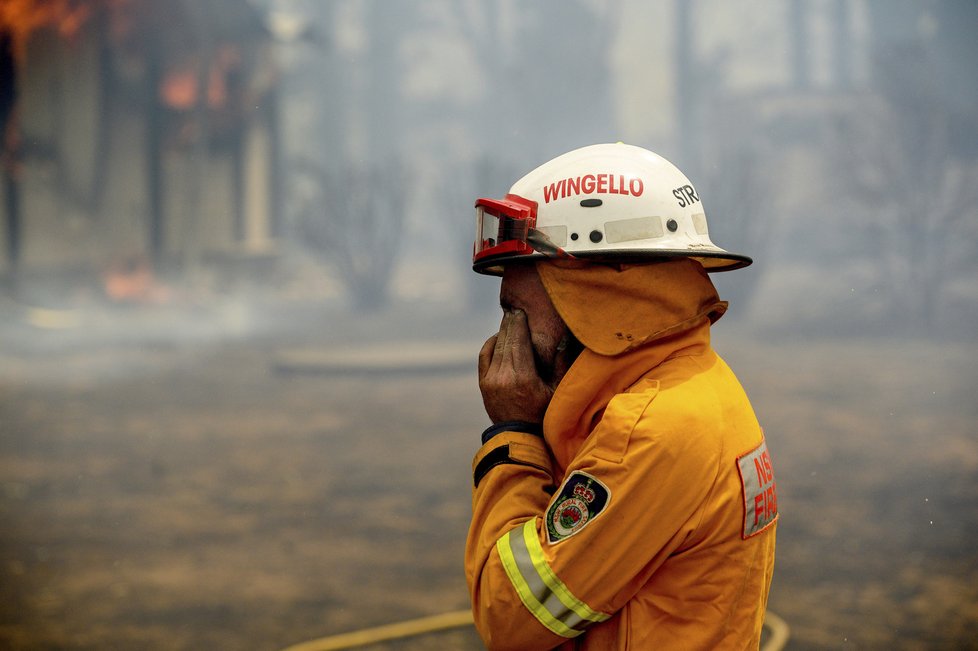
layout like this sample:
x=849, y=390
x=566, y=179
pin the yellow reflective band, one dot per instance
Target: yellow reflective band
x=538, y=587
x=526, y=594
x=552, y=581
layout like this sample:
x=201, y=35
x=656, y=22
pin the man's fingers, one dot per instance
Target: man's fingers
x=510, y=351
x=518, y=344
x=503, y=336
x=486, y=354
x=511, y=387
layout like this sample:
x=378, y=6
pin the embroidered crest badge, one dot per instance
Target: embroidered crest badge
x=581, y=499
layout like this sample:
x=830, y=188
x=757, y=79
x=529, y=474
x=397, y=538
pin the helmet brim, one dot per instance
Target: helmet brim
x=712, y=261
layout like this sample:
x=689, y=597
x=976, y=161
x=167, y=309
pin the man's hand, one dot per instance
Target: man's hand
x=511, y=387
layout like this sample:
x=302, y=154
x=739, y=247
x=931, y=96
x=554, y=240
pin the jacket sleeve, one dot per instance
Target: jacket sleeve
x=544, y=563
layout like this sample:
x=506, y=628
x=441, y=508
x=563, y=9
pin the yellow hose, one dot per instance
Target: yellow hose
x=779, y=632
x=459, y=618
x=397, y=631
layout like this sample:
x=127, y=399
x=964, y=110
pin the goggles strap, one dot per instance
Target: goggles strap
x=543, y=244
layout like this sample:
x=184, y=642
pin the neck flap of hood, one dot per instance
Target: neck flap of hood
x=612, y=309
x=630, y=320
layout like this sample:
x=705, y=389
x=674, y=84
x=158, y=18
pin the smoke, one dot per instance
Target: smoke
x=205, y=203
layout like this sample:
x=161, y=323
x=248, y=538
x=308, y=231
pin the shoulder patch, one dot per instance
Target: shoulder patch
x=581, y=499
x=760, y=490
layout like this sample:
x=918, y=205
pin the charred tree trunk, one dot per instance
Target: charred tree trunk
x=687, y=84
x=842, y=45
x=237, y=149
x=275, y=195
x=9, y=150
x=798, y=29
x=154, y=151
x=11, y=193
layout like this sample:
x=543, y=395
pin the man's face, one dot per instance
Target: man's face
x=521, y=288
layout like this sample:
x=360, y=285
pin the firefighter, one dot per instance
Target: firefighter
x=624, y=497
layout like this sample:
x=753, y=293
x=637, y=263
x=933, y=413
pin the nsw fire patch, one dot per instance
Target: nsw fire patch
x=760, y=490
x=581, y=499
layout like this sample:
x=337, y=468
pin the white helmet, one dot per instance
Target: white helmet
x=612, y=203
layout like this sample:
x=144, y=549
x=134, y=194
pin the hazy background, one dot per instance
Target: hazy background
x=213, y=208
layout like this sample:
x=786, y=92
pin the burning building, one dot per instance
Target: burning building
x=135, y=126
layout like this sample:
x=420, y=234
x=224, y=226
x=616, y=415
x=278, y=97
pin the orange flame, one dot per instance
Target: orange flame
x=130, y=279
x=22, y=17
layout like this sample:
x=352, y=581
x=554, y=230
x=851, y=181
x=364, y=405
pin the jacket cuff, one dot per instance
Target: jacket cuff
x=512, y=426
x=513, y=449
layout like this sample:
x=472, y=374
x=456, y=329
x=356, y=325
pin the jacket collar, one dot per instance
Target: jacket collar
x=593, y=380
x=630, y=321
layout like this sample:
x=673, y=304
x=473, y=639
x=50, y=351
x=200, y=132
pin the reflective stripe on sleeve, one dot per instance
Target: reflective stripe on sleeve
x=540, y=590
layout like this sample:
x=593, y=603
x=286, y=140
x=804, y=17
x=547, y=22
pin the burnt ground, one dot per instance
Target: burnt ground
x=160, y=490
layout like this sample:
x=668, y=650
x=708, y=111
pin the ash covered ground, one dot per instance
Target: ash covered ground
x=167, y=481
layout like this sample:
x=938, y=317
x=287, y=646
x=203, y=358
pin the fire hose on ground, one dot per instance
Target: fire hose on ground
x=777, y=627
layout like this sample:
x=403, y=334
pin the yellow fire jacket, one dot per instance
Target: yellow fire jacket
x=644, y=516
